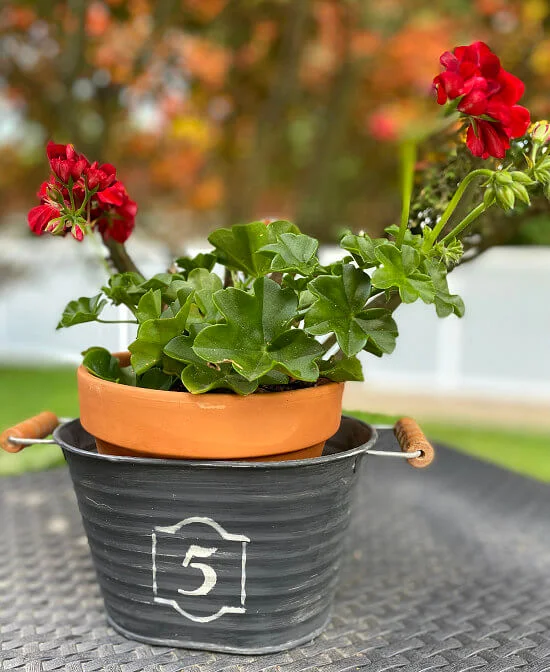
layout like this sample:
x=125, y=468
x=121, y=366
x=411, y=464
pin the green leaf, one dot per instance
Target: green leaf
x=445, y=302
x=273, y=377
x=280, y=226
x=293, y=252
x=205, y=284
x=149, y=306
x=399, y=269
x=296, y=353
x=201, y=260
x=363, y=248
x=340, y=300
x=153, y=335
x=340, y=370
x=296, y=283
x=82, y=310
x=180, y=348
x=102, y=364
x=237, y=247
x=256, y=338
x=125, y=288
x=155, y=379
x=200, y=378
x=169, y=284
x=380, y=328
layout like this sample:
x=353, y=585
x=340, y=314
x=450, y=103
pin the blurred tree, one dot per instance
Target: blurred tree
x=218, y=111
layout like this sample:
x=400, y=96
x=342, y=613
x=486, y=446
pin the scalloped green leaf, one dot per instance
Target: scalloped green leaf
x=341, y=370
x=380, y=328
x=169, y=284
x=201, y=260
x=125, y=288
x=149, y=306
x=293, y=252
x=84, y=309
x=340, y=301
x=445, y=302
x=363, y=248
x=156, y=379
x=200, y=378
x=256, y=337
x=102, y=364
x=399, y=268
x=153, y=335
x=205, y=284
x=237, y=247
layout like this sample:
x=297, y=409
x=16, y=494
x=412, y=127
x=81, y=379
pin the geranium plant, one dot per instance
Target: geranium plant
x=260, y=312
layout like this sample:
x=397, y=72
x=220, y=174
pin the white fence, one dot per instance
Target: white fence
x=500, y=348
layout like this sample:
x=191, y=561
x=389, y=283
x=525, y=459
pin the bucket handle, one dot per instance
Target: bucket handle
x=30, y=431
x=414, y=445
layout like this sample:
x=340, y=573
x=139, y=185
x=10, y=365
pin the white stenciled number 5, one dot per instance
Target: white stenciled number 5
x=209, y=575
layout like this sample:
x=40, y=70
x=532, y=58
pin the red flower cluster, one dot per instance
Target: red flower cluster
x=80, y=196
x=487, y=98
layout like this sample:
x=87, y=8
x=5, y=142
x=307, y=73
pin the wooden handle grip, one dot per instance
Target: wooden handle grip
x=411, y=438
x=38, y=427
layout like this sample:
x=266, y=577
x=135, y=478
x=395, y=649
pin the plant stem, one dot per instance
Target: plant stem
x=117, y=321
x=408, y=161
x=451, y=207
x=120, y=258
x=470, y=217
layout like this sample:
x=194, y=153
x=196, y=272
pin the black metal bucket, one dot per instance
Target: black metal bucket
x=228, y=556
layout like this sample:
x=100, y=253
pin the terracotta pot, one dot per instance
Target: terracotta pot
x=215, y=426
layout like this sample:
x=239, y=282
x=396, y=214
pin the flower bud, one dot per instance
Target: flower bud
x=521, y=193
x=489, y=196
x=540, y=132
x=520, y=177
x=55, y=226
x=503, y=178
x=506, y=197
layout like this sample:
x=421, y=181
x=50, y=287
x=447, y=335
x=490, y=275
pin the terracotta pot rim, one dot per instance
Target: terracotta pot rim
x=170, y=394
x=242, y=463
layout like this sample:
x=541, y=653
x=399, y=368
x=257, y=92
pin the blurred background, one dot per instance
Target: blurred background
x=220, y=111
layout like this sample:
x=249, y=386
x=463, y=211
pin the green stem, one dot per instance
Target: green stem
x=451, y=207
x=474, y=214
x=117, y=321
x=408, y=161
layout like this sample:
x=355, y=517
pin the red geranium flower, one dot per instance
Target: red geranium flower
x=115, y=214
x=488, y=95
x=80, y=196
x=100, y=176
x=65, y=162
x=40, y=216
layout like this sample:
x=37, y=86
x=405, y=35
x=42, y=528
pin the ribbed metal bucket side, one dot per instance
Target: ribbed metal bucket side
x=212, y=556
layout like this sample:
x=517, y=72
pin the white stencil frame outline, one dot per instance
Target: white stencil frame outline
x=224, y=534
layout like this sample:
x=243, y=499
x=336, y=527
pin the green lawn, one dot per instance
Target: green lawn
x=25, y=392
x=525, y=452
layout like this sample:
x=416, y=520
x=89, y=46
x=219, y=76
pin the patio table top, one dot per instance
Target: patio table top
x=447, y=568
